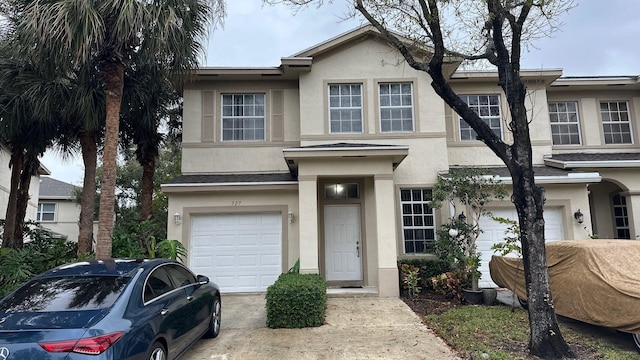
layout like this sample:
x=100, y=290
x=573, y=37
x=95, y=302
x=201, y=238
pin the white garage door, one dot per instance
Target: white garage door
x=493, y=232
x=239, y=252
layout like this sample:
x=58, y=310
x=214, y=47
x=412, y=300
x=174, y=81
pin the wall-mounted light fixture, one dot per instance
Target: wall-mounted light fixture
x=290, y=217
x=177, y=219
x=462, y=217
x=579, y=216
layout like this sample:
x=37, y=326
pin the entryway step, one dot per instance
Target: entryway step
x=365, y=291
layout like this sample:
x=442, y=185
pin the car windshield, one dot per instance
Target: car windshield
x=65, y=294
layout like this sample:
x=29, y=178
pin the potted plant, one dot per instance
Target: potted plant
x=472, y=189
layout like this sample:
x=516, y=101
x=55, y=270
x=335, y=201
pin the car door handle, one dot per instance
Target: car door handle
x=189, y=298
x=164, y=312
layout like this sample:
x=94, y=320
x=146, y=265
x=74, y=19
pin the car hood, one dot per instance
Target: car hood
x=50, y=320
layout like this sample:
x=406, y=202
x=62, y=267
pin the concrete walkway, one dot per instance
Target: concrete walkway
x=355, y=328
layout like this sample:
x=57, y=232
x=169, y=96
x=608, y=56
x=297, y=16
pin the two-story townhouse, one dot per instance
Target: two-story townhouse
x=330, y=159
x=58, y=210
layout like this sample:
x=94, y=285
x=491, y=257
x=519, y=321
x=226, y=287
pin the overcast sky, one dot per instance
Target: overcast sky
x=599, y=37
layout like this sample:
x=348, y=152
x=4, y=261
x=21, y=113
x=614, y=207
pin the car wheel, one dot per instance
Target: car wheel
x=524, y=303
x=157, y=352
x=214, y=322
x=636, y=341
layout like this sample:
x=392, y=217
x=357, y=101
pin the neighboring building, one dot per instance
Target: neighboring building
x=5, y=185
x=58, y=210
x=330, y=158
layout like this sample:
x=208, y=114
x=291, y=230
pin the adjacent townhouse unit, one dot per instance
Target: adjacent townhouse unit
x=330, y=158
x=58, y=210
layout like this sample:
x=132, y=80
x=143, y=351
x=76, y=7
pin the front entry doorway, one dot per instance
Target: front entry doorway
x=343, y=243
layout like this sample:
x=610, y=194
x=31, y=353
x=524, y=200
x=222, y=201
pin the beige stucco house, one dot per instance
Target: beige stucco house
x=330, y=158
x=58, y=210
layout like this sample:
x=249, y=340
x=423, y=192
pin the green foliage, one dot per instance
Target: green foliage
x=40, y=253
x=450, y=284
x=410, y=279
x=511, y=242
x=428, y=267
x=295, y=269
x=296, y=301
x=170, y=249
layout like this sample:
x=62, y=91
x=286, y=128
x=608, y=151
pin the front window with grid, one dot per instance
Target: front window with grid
x=418, y=227
x=616, y=123
x=565, y=127
x=345, y=108
x=243, y=117
x=488, y=108
x=396, y=107
x=621, y=217
x=46, y=212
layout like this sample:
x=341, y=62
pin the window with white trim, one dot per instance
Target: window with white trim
x=418, y=221
x=243, y=117
x=396, y=107
x=565, y=125
x=621, y=216
x=46, y=212
x=616, y=122
x=488, y=108
x=345, y=108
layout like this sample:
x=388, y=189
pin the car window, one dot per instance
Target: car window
x=66, y=294
x=158, y=283
x=180, y=276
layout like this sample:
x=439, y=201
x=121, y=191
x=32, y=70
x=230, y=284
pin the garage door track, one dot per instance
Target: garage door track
x=355, y=328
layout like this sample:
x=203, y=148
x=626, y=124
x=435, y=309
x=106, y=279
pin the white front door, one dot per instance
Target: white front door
x=343, y=246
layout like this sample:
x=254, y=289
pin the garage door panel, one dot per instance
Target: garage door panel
x=240, y=252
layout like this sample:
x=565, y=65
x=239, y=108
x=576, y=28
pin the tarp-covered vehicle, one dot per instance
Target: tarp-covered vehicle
x=594, y=281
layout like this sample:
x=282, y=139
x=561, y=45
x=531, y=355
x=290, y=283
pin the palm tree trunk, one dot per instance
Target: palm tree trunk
x=114, y=83
x=10, y=217
x=29, y=169
x=146, y=191
x=89, y=146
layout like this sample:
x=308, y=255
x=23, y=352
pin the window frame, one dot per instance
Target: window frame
x=242, y=118
x=425, y=227
x=485, y=118
x=40, y=212
x=628, y=121
x=361, y=107
x=391, y=108
x=559, y=123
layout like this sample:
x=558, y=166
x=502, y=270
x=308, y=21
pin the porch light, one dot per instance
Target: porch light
x=462, y=217
x=290, y=217
x=579, y=216
x=453, y=232
x=177, y=219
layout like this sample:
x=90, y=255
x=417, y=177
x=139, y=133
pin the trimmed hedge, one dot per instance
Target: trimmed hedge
x=428, y=267
x=296, y=301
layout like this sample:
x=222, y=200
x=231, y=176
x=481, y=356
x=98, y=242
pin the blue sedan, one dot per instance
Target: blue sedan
x=112, y=309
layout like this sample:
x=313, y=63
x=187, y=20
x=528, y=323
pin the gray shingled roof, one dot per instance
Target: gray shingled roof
x=52, y=188
x=596, y=157
x=233, y=178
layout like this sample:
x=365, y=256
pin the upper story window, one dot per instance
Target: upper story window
x=418, y=225
x=345, y=108
x=616, y=122
x=46, y=212
x=565, y=126
x=488, y=108
x=243, y=117
x=396, y=107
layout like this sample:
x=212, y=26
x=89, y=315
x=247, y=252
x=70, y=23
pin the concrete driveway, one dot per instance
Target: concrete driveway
x=355, y=328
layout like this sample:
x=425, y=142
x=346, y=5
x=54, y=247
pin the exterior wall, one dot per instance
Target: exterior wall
x=591, y=120
x=5, y=188
x=241, y=200
x=203, y=148
x=66, y=219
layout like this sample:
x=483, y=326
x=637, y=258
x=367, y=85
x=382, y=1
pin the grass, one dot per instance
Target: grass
x=502, y=332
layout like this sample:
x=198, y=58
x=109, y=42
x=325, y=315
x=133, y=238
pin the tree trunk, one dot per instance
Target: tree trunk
x=146, y=190
x=8, y=240
x=114, y=83
x=88, y=143
x=29, y=169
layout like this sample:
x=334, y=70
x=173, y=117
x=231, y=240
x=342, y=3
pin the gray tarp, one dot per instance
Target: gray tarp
x=595, y=281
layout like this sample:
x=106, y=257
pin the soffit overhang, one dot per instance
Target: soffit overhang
x=593, y=160
x=393, y=153
x=547, y=76
x=582, y=83
x=542, y=175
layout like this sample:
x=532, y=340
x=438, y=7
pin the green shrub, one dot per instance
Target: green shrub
x=450, y=284
x=410, y=279
x=428, y=267
x=296, y=301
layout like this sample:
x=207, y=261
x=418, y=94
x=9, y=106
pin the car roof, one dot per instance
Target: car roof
x=109, y=267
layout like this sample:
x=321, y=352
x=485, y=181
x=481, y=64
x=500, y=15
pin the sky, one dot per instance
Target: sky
x=598, y=37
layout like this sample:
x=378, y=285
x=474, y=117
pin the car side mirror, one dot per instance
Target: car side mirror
x=202, y=279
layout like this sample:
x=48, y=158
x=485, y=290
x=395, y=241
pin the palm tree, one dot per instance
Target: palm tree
x=109, y=33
